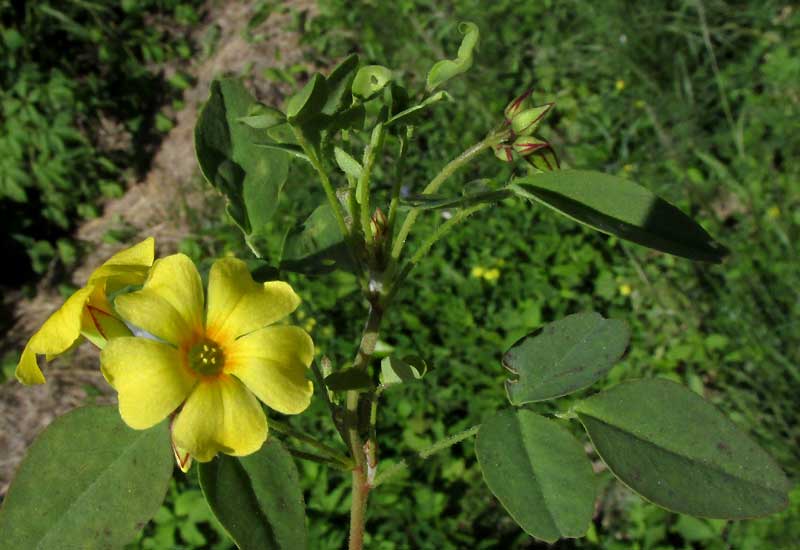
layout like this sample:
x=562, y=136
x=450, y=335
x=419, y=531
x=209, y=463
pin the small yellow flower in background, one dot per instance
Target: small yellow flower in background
x=87, y=312
x=214, y=357
x=628, y=168
x=625, y=289
x=619, y=85
x=477, y=272
x=774, y=213
x=640, y=104
x=492, y=274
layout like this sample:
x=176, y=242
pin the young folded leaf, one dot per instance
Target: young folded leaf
x=674, y=449
x=620, y=207
x=539, y=473
x=444, y=70
x=564, y=356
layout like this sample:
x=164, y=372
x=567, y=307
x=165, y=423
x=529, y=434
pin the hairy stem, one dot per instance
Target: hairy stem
x=395, y=469
x=450, y=168
x=361, y=482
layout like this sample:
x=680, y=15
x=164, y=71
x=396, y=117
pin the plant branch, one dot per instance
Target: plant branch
x=361, y=482
x=395, y=469
x=450, y=168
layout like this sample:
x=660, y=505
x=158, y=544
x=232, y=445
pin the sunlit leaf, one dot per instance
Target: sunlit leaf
x=88, y=481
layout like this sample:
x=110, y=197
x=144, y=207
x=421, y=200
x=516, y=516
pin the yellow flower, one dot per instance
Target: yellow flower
x=492, y=274
x=209, y=363
x=477, y=272
x=619, y=85
x=774, y=212
x=87, y=312
x=625, y=289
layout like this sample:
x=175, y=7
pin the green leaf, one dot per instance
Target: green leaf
x=538, y=472
x=349, y=379
x=257, y=498
x=564, y=357
x=339, y=84
x=347, y=163
x=397, y=371
x=261, y=117
x=88, y=481
x=317, y=245
x=444, y=70
x=370, y=80
x=288, y=148
x=674, y=449
x=308, y=102
x=620, y=207
x=250, y=177
x=408, y=114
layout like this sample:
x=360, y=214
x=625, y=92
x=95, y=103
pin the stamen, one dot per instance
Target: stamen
x=206, y=358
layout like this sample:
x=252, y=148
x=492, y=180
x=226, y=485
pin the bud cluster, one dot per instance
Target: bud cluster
x=522, y=118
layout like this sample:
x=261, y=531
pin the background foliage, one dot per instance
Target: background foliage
x=82, y=85
x=696, y=100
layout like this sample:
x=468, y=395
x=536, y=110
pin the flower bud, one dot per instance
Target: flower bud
x=517, y=106
x=525, y=145
x=503, y=152
x=526, y=122
x=378, y=224
x=544, y=159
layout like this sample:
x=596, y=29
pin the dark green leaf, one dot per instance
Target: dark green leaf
x=257, y=498
x=308, y=102
x=538, y=472
x=88, y=481
x=349, y=379
x=398, y=371
x=670, y=446
x=339, y=84
x=317, y=245
x=444, y=70
x=564, y=356
x=620, y=207
x=249, y=176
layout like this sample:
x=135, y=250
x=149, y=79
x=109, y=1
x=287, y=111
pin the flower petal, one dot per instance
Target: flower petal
x=61, y=330
x=220, y=415
x=170, y=306
x=126, y=267
x=149, y=378
x=238, y=305
x=272, y=363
